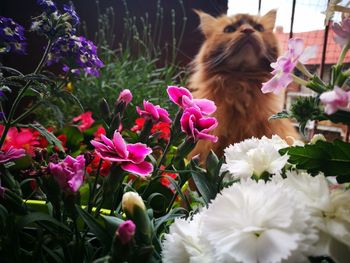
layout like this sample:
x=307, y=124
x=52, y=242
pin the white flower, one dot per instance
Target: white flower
x=258, y=222
x=255, y=156
x=330, y=211
x=182, y=244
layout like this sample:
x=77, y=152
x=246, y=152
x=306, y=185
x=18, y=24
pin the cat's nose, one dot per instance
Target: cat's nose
x=247, y=30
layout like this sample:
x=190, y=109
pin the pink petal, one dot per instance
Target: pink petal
x=119, y=145
x=163, y=115
x=125, y=96
x=75, y=182
x=142, y=169
x=296, y=47
x=110, y=156
x=206, y=136
x=138, y=152
x=206, y=106
x=176, y=93
x=207, y=123
x=107, y=142
x=309, y=53
x=100, y=146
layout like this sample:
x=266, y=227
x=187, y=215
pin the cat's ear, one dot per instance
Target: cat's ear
x=270, y=19
x=207, y=22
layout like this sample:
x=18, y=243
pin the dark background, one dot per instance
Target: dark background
x=22, y=10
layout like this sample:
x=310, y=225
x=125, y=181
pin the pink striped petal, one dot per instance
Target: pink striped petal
x=138, y=152
x=176, y=94
x=142, y=169
x=119, y=145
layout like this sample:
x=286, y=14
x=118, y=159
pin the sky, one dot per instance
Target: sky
x=308, y=14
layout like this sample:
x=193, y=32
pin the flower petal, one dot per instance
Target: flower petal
x=142, y=169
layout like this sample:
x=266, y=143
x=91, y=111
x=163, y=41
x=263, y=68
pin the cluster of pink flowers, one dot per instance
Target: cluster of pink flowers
x=194, y=121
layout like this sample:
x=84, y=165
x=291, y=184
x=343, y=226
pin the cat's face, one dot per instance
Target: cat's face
x=239, y=42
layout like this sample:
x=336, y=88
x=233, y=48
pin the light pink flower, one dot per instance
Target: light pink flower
x=155, y=113
x=69, y=173
x=130, y=156
x=285, y=64
x=342, y=31
x=125, y=96
x=183, y=98
x=195, y=125
x=335, y=99
x=126, y=231
x=11, y=154
x=85, y=119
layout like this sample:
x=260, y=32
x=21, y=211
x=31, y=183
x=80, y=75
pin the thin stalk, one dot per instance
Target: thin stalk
x=342, y=54
x=92, y=192
x=304, y=70
x=24, y=115
x=299, y=80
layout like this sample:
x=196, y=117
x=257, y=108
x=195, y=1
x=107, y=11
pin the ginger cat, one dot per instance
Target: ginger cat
x=229, y=69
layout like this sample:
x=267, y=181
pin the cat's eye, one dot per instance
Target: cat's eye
x=259, y=27
x=229, y=29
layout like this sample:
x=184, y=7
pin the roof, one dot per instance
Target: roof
x=316, y=38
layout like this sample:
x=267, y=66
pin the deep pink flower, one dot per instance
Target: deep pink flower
x=195, y=125
x=285, y=64
x=126, y=231
x=335, y=99
x=69, y=173
x=85, y=119
x=183, y=98
x=125, y=96
x=342, y=31
x=11, y=154
x=155, y=113
x=130, y=156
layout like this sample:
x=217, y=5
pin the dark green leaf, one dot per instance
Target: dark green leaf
x=49, y=136
x=211, y=164
x=37, y=216
x=280, y=115
x=112, y=222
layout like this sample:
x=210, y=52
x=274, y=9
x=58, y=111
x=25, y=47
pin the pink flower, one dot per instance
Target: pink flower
x=285, y=64
x=69, y=173
x=10, y=154
x=85, y=119
x=155, y=113
x=196, y=126
x=130, y=156
x=183, y=98
x=126, y=231
x=335, y=99
x=125, y=96
x=342, y=32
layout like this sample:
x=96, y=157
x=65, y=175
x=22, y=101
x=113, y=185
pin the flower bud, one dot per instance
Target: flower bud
x=316, y=138
x=125, y=96
x=126, y=231
x=130, y=201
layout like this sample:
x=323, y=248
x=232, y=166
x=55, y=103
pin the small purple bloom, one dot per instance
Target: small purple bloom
x=131, y=157
x=48, y=5
x=183, y=98
x=195, y=125
x=72, y=13
x=154, y=113
x=126, y=231
x=11, y=36
x=342, y=31
x=11, y=154
x=335, y=99
x=69, y=173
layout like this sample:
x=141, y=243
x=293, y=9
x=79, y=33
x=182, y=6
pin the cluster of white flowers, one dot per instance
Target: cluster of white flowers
x=282, y=220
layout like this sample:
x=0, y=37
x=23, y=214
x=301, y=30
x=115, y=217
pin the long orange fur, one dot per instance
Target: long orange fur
x=230, y=69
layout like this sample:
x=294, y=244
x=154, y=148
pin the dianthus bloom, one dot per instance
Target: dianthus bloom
x=69, y=173
x=11, y=36
x=131, y=157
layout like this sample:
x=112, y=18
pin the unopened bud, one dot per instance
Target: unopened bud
x=126, y=231
x=130, y=201
x=125, y=96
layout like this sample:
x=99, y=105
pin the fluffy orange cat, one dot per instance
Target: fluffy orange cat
x=229, y=69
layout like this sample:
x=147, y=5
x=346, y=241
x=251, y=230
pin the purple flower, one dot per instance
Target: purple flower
x=11, y=154
x=154, y=113
x=131, y=157
x=11, y=36
x=73, y=15
x=335, y=99
x=69, y=173
x=48, y=5
x=125, y=96
x=285, y=64
x=126, y=231
x=183, y=98
x=77, y=53
x=342, y=32
x=195, y=125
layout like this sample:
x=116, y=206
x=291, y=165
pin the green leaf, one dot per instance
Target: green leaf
x=112, y=222
x=211, y=164
x=174, y=213
x=95, y=227
x=37, y=216
x=74, y=137
x=333, y=159
x=49, y=136
x=280, y=115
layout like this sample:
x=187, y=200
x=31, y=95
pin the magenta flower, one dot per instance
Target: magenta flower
x=342, y=32
x=195, y=125
x=126, y=231
x=130, y=156
x=154, y=113
x=69, y=173
x=285, y=64
x=125, y=96
x=183, y=98
x=11, y=154
x=335, y=99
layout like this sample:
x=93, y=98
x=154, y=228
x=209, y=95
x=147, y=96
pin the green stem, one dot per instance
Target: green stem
x=92, y=192
x=25, y=114
x=299, y=80
x=304, y=70
x=343, y=54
